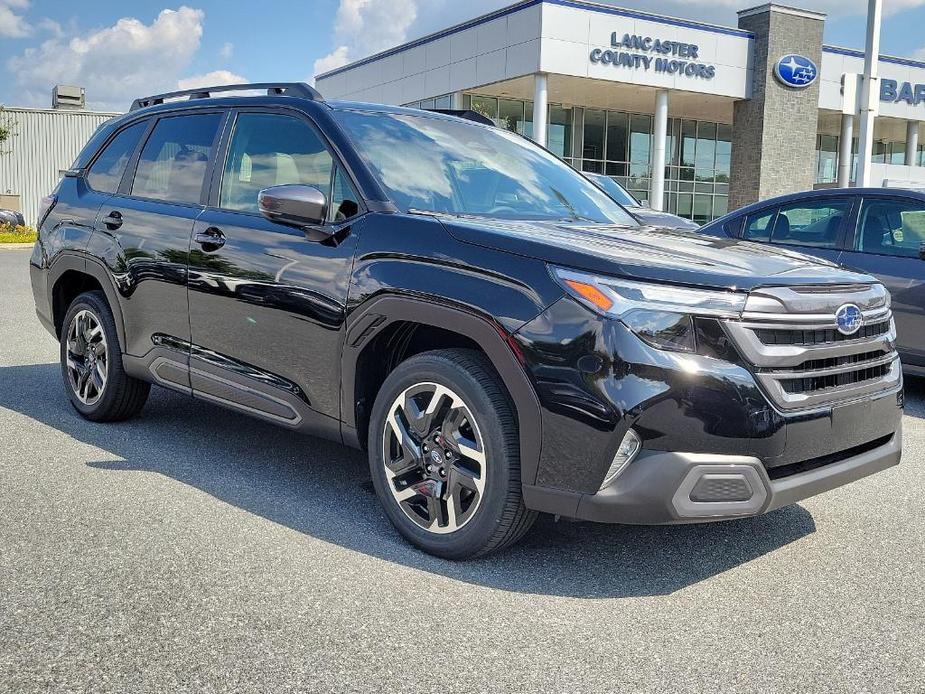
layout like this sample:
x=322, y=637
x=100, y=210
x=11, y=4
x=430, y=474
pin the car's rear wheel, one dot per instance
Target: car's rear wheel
x=444, y=455
x=91, y=363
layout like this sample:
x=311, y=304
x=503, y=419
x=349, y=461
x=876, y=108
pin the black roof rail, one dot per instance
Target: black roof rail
x=464, y=113
x=299, y=89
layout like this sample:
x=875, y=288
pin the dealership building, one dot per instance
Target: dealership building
x=696, y=118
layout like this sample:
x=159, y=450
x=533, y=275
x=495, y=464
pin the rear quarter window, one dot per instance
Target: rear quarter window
x=106, y=172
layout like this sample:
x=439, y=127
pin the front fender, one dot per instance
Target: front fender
x=379, y=313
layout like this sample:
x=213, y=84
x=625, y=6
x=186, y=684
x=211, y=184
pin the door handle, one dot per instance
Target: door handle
x=211, y=239
x=113, y=221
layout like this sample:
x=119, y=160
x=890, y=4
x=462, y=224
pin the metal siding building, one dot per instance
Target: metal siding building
x=44, y=143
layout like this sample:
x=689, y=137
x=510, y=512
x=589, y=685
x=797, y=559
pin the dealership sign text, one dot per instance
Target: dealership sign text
x=646, y=53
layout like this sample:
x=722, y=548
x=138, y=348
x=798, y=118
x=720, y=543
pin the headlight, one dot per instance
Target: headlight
x=660, y=314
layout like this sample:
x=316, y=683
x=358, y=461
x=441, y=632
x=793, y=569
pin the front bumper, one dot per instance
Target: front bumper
x=662, y=487
x=714, y=445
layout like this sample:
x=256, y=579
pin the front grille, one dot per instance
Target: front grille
x=789, y=337
x=832, y=362
x=777, y=336
x=814, y=384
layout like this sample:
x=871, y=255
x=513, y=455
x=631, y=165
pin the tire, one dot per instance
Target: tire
x=471, y=502
x=98, y=387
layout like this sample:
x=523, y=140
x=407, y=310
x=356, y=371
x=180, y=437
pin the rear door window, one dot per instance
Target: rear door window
x=175, y=158
x=106, y=172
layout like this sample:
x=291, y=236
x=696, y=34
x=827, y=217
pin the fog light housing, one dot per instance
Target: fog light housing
x=628, y=449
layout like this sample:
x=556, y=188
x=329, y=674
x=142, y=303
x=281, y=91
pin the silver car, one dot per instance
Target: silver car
x=644, y=214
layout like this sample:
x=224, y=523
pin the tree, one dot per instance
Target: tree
x=6, y=130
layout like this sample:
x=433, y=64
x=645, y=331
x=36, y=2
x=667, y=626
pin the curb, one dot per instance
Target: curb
x=15, y=246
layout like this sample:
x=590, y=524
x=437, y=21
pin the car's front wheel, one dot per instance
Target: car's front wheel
x=444, y=455
x=91, y=363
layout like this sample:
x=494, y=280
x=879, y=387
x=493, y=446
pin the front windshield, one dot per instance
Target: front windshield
x=454, y=167
x=615, y=190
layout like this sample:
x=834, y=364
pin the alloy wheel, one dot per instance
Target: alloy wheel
x=434, y=457
x=87, y=357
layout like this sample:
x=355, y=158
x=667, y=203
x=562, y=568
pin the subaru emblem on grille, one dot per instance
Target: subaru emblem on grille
x=849, y=319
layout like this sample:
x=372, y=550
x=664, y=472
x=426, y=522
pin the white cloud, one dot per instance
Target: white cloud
x=363, y=27
x=211, y=79
x=117, y=63
x=226, y=51
x=52, y=27
x=12, y=24
x=333, y=60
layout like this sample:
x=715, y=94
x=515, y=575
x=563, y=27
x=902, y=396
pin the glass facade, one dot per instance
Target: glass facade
x=884, y=153
x=619, y=144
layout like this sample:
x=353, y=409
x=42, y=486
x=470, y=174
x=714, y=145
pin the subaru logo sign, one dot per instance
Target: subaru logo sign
x=849, y=319
x=796, y=71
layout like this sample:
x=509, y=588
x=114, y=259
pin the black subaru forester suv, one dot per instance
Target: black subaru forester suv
x=499, y=335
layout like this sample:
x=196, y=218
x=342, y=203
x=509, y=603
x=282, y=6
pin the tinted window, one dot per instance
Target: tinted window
x=758, y=226
x=450, y=166
x=270, y=150
x=345, y=202
x=731, y=228
x=815, y=224
x=175, y=158
x=891, y=227
x=106, y=172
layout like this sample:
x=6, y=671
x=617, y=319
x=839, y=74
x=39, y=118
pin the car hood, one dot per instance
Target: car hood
x=650, y=253
x=665, y=220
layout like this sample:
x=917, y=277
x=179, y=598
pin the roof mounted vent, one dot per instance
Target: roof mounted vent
x=68, y=97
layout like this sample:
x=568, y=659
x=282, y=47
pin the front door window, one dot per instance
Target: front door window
x=891, y=227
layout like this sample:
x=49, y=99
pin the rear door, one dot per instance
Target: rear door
x=268, y=301
x=148, y=224
x=79, y=204
x=886, y=242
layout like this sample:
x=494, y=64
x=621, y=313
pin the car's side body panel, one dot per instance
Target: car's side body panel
x=274, y=300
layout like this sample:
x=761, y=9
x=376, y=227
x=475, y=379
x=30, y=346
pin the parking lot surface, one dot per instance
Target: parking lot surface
x=194, y=549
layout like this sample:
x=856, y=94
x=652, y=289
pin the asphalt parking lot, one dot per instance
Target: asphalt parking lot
x=196, y=550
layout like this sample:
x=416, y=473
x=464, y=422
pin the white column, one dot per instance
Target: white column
x=660, y=135
x=844, y=150
x=540, y=103
x=869, y=92
x=912, y=142
x=456, y=101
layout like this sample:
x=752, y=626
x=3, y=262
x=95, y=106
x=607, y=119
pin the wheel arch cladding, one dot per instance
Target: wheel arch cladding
x=70, y=275
x=403, y=316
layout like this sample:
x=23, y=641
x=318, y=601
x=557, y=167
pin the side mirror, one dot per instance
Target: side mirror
x=922, y=251
x=293, y=204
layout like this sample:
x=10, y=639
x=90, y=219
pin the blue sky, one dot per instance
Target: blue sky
x=119, y=50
